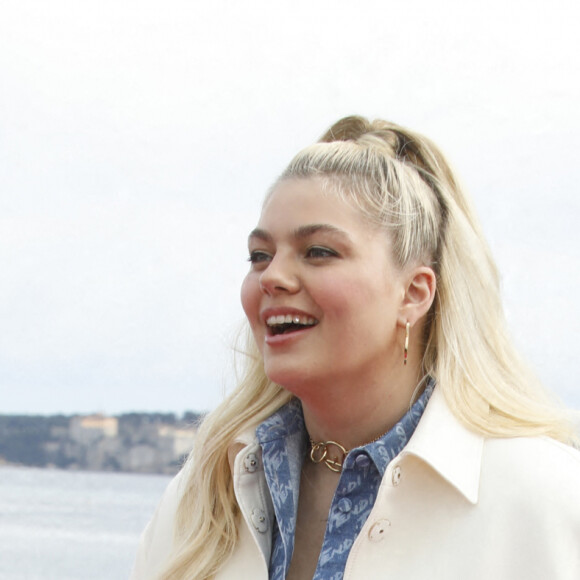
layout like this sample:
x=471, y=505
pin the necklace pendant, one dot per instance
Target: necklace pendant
x=319, y=453
x=334, y=464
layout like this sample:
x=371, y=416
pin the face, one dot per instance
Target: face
x=323, y=295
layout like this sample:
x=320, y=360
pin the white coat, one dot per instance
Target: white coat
x=452, y=506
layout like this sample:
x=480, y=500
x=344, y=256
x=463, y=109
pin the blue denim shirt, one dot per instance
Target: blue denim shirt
x=285, y=444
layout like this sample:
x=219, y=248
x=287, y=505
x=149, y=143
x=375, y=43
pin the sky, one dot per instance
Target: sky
x=137, y=140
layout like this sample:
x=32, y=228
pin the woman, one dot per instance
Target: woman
x=384, y=427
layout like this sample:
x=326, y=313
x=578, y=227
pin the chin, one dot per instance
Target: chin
x=292, y=379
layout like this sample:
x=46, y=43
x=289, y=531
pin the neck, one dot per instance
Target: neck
x=358, y=414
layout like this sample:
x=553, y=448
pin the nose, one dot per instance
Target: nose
x=279, y=277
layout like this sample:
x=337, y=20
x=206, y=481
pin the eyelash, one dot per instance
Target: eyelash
x=314, y=252
x=258, y=256
x=322, y=251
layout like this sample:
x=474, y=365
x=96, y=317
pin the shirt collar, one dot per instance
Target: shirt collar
x=444, y=443
x=288, y=421
x=384, y=449
x=285, y=422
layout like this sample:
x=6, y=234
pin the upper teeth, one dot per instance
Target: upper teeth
x=289, y=319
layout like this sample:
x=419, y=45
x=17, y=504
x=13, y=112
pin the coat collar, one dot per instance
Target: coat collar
x=439, y=440
x=451, y=449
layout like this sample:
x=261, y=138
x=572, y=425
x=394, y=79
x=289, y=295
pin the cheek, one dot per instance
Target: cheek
x=250, y=297
x=344, y=296
x=354, y=302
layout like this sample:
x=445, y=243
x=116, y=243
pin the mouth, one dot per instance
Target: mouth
x=285, y=323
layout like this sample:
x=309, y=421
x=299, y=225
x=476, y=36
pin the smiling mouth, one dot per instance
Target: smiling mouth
x=283, y=324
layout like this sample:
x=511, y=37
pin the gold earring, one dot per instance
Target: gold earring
x=407, y=328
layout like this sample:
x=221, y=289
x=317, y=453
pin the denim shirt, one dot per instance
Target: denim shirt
x=285, y=444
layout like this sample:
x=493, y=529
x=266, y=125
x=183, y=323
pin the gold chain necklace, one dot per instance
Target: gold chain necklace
x=320, y=453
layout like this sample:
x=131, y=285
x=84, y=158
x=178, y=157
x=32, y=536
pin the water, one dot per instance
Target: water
x=62, y=525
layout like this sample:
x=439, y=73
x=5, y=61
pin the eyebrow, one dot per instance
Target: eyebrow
x=308, y=230
x=301, y=232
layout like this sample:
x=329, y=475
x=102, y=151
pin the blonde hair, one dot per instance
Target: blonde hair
x=400, y=181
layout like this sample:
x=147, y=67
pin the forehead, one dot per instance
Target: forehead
x=309, y=201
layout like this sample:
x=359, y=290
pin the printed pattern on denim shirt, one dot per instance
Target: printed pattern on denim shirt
x=284, y=444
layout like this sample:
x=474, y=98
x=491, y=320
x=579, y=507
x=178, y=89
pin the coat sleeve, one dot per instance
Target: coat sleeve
x=156, y=540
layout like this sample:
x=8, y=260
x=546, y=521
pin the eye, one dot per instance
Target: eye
x=320, y=252
x=258, y=257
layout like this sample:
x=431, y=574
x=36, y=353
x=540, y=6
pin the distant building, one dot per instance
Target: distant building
x=134, y=442
x=181, y=439
x=91, y=428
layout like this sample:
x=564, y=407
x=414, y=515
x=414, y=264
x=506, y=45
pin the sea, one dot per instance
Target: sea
x=72, y=525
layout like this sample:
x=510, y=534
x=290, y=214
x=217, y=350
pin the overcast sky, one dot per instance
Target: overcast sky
x=137, y=140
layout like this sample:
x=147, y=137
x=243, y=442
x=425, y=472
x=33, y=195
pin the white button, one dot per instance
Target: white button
x=378, y=530
x=396, y=475
x=259, y=520
x=251, y=462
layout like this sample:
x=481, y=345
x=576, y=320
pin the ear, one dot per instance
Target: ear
x=419, y=295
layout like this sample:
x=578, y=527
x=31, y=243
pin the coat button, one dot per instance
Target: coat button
x=378, y=530
x=251, y=463
x=259, y=520
x=396, y=477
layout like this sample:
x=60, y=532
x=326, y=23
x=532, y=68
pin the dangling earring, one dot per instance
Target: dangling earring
x=407, y=328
